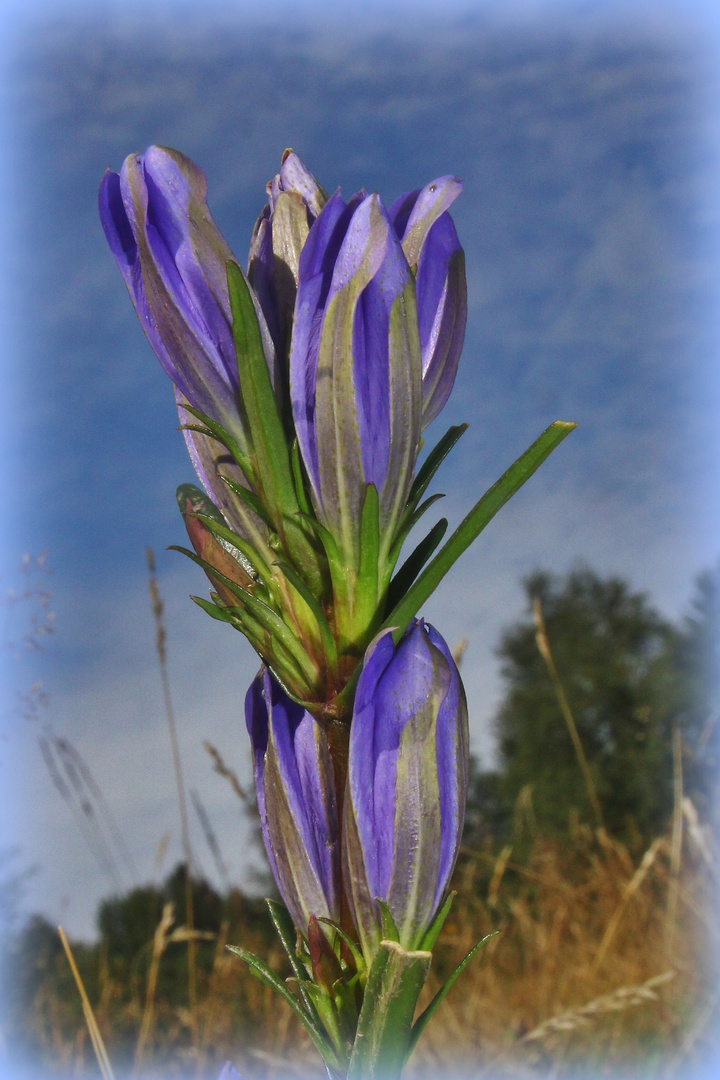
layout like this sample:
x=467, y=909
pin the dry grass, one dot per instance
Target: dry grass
x=579, y=977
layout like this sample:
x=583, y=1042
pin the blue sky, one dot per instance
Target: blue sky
x=589, y=153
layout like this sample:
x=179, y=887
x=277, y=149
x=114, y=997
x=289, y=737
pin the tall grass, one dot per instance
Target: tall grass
x=582, y=976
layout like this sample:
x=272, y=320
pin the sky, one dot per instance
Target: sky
x=587, y=144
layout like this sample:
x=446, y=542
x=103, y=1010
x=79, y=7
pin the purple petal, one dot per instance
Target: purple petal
x=452, y=767
x=413, y=215
x=256, y=721
x=315, y=274
x=163, y=312
x=366, y=743
x=296, y=800
x=295, y=176
x=442, y=312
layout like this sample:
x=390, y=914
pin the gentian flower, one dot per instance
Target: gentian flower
x=174, y=259
x=296, y=800
x=431, y=246
x=407, y=784
x=373, y=356
x=294, y=201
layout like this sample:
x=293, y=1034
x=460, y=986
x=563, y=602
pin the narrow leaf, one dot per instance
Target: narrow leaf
x=299, y=478
x=249, y=498
x=366, y=586
x=414, y=564
x=471, y=527
x=389, y=929
x=258, y=565
x=433, y=462
x=262, y=972
x=437, y=924
x=323, y=625
x=286, y=932
x=218, y=432
x=354, y=951
x=266, y=428
x=422, y=1020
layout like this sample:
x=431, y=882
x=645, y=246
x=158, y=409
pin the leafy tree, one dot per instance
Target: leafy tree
x=616, y=658
x=697, y=658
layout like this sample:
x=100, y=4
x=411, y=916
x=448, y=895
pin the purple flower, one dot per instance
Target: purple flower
x=407, y=784
x=296, y=800
x=355, y=368
x=173, y=260
x=432, y=248
x=294, y=201
x=379, y=322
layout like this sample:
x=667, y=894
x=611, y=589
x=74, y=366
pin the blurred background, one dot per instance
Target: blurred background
x=586, y=615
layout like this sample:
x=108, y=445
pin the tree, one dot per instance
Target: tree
x=617, y=661
x=697, y=658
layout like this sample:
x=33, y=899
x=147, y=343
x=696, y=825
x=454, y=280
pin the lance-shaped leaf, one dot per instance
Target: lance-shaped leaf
x=265, y=974
x=472, y=525
x=270, y=452
x=296, y=801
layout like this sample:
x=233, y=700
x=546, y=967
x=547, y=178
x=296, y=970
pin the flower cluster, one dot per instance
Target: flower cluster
x=303, y=386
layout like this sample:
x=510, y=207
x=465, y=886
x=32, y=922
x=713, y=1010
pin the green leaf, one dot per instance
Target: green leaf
x=270, y=447
x=357, y=956
x=471, y=527
x=237, y=590
x=215, y=612
x=432, y=463
x=325, y=1007
x=249, y=498
x=389, y=929
x=366, y=586
x=328, y=641
x=282, y=633
x=394, y=982
x=262, y=972
x=299, y=478
x=422, y=1020
x=338, y=573
x=218, y=432
x=432, y=934
x=414, y=563
x=286, y=932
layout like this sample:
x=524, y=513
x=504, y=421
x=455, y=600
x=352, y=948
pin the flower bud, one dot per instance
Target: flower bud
x=294, y=201
x=296, y=800
x=173, y=259
x=432, y=248
x=355, y=368
x=407, y=784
